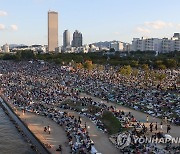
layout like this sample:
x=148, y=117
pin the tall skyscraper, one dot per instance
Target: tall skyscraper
x=77, y=39
x=66, y=38
x=52, y=31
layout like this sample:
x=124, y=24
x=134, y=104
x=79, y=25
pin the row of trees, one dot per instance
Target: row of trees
x=129, y=71
x=86, y=65
x=126, y=70
x=20, y=55
x=135, y=60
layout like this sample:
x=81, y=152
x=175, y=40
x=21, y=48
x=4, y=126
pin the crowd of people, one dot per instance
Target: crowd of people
x=94, y=114
x=142, y=94
x=37, y=87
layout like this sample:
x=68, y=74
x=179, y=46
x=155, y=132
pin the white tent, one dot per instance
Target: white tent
x=93, y=150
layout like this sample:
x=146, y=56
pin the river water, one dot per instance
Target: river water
x=11, y=141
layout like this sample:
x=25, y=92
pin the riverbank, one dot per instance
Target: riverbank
x=22, y=128
x=36, y=125
x=11, y=140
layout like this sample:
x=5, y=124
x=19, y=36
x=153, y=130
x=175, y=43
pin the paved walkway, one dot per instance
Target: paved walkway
x=100, y=139
x=36, y=124
x=140, y=116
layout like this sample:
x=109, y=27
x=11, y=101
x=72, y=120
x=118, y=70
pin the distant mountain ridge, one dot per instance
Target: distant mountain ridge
x=103, y=44
x=11, y=46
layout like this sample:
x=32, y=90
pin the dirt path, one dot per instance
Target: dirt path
x=140, y=116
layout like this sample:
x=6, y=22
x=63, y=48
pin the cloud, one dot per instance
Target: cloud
x=2, y=27
x=116, y=33
x=153, y=26
x=3, y=13
x=143, y=30
x=14, y=27
x=9, y=28
x=158, y=24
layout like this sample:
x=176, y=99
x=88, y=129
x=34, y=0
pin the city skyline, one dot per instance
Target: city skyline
x=26, y=22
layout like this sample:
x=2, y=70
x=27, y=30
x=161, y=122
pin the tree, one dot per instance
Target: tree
x=58, y=61
x=79, y=66
x=25, y=55
x=112, y=50
x=100, y=67
x=135, y=72
x=8, y=56
x=171, y=63
x=158, y=63
x=145, y=67
x=126, y=70
x=160, y=77
x=134, y=63
x=88, y=65
x=161, y=66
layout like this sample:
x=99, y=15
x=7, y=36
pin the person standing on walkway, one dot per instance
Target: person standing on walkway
x=165, y=120
x=79, y=120
x=85, y=126
x=45, y=129
x=151, y=127
x=156, y=127
x=168, y=128
x=161, y=125
x=147, y=119
x=23, y=111
x=49, y=130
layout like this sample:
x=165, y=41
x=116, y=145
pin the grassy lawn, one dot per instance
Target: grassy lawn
x=90, y=108
x=76, y=105
x=112, y=124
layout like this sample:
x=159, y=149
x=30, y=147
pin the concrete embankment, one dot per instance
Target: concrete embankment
x=36, y=144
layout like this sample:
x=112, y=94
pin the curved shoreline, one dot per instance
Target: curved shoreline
x=21, y=126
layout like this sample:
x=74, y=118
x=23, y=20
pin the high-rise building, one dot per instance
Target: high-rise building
x=66, y=38
x=52, y=31
x=6, y=48
x=77, y=39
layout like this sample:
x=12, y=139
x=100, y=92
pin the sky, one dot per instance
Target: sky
x=25, y=21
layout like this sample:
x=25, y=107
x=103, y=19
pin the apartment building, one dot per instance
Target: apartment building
x=163, y=45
